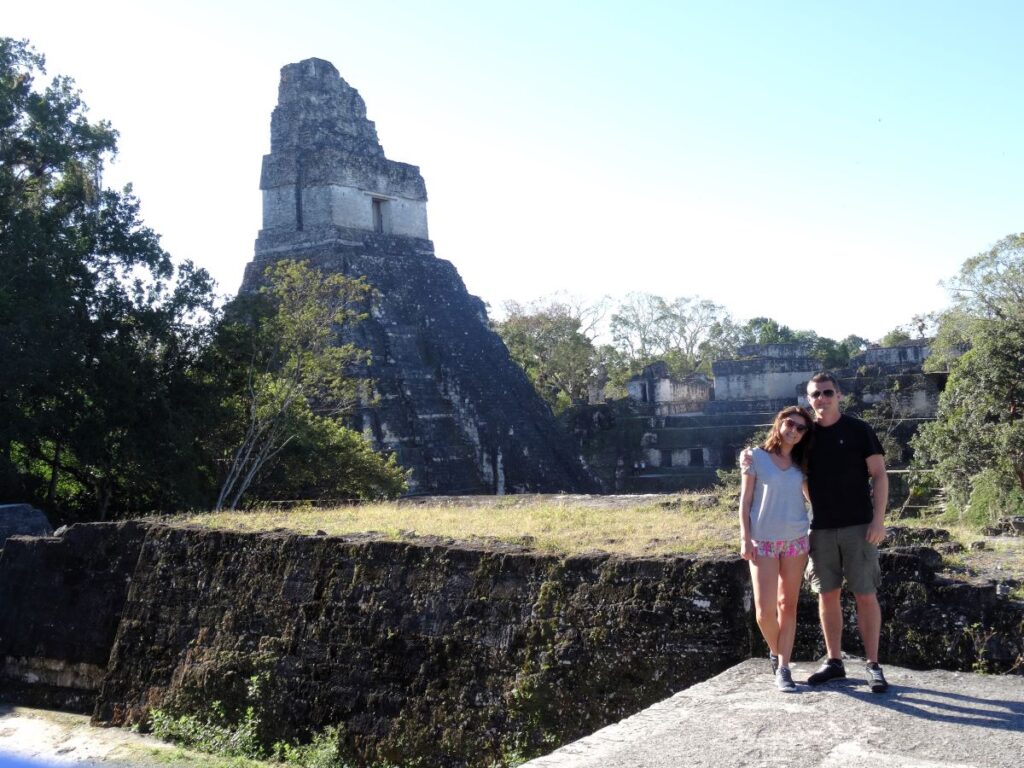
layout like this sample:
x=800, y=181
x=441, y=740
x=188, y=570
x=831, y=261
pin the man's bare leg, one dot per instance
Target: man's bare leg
x=830, y=611
x=869, y=622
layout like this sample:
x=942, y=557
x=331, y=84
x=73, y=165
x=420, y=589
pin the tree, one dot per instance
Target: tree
x=637, y=328
x=991, y=284
x=764, y=330
x=300, y=380
x=327, y=460
x=691, y=330
x=98, y=329
x=549, y=340
x=895, y=337
x=686, y=332
x=854, y=344
x=977, y=439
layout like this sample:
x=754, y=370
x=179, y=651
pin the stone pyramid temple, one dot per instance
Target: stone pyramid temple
x=451, y=403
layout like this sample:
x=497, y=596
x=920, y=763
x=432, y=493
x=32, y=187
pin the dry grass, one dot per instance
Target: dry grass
x=623, y=525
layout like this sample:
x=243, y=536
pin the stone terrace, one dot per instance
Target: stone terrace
x=928, y=719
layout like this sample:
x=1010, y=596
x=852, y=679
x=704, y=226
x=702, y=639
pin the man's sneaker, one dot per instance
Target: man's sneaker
x=774, y=661
x=784, y=680
x=830, y=670
x=876, y=679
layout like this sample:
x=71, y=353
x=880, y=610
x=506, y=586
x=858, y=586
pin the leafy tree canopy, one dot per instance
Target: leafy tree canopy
x=977, y=439
x=550, y=340
x=97, y=327
x=686, y=332
x=295, y=380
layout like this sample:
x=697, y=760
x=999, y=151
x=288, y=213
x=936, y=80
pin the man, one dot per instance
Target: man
x=847, y=526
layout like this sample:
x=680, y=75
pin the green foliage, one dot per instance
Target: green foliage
x=321, y=752
x=685, y=332
x=294, y=382
x=326, y=460
x=952, y=339
x=992, y=497
x=549, y=340
x=765, y=330
x=729, y=479
x=98, y=330
x=991, y=284
x=976, y=444
x=213, y=731
x=895, y=337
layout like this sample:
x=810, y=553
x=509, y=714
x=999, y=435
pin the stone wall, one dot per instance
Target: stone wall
x=454, y=654
x=451, y=653
x=763, y=378
x=61, y=600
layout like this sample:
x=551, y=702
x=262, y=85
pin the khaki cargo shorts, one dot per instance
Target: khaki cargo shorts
x=839, y=552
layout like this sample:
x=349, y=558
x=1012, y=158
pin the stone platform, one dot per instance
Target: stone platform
x=927, y=719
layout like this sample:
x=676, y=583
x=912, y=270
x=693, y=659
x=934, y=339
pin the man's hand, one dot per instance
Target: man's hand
x=747, y=458
x=875, y=534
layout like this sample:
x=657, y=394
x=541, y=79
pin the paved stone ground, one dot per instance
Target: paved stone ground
x=932, y=719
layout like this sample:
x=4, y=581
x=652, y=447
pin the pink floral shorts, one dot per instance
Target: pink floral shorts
x=785, y=548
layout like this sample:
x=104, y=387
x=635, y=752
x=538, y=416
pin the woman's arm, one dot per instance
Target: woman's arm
x=746, y=499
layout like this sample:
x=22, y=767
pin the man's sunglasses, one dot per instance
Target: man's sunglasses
x=801, y=428
x=823, y=393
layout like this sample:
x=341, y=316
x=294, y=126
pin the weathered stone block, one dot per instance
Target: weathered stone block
x=60, y=605
x=22, y=520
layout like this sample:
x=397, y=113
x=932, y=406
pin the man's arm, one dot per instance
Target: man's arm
x=879, y=497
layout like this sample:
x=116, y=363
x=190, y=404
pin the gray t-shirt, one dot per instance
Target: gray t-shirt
x=778, y=512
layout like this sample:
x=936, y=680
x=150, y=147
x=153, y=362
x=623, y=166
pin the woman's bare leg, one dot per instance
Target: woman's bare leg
x=764, y=575
x=791, y=574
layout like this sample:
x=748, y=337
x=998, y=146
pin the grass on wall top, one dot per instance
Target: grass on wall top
x=622, y=525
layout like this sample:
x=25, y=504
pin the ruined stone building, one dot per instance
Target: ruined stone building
x=669, y=396
x=674, y=434
x=451, y=403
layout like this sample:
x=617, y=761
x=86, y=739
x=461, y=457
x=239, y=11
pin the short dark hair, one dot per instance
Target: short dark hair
x=822, y=376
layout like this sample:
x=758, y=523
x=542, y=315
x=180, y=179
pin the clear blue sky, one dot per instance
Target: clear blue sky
x=822, y=163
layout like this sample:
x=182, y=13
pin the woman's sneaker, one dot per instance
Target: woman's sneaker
x=832, y=669
x=784, y=680
x=774, y=661
x=876, y=679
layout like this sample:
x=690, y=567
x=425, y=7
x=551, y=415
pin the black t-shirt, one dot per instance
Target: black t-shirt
x=837, y=473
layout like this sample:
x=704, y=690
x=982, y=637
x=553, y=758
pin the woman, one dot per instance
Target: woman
x=773, y=533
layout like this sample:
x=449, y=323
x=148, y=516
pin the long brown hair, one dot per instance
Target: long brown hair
x=773, y=443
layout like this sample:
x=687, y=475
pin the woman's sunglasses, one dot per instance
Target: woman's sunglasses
x=795, y=425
